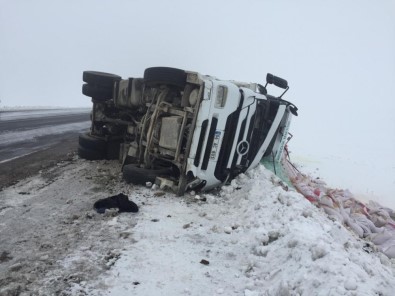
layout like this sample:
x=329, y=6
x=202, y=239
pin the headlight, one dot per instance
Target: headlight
x=220, y=99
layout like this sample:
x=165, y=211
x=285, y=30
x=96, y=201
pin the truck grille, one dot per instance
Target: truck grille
x=226, y=147
x=210, y=141
x=196, y=162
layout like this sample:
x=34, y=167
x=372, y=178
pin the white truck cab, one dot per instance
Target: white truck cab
x=233, y=132
x=184, y=130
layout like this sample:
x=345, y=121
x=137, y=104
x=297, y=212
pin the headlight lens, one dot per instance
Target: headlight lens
x=220, y=100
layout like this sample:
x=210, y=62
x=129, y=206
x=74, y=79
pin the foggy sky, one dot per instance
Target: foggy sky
x=338, y=57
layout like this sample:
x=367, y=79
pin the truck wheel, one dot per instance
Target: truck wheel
x=105, y=149
x=100, y=78
x=99, y=93
x=92, y=143
x=165, y=75
x=90, y=154
x=139, y=176
x=113, y=149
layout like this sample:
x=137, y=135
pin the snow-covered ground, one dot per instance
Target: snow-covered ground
x=258, y=240
x=250, y=238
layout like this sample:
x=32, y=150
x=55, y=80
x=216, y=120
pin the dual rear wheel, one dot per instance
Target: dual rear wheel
x=96, y=148
x=99, y=85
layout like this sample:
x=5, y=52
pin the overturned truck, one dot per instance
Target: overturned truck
x=183, y=130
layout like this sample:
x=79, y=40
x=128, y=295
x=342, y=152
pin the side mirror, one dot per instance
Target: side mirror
x=277, y=81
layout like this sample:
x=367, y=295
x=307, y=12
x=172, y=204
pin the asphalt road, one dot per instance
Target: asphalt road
x=20, y=123
x=22, y=133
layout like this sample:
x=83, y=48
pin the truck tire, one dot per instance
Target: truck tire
x=165, y=75
x=99, y=93
x=90, y=154
x=100, y=78
x=92, y=143
x=113, y=149
x=99, y=147
x=139, y=176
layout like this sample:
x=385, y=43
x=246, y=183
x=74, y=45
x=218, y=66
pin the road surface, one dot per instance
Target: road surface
x=34, y=139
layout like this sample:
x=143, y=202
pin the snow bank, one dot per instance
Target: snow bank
x=252, y=238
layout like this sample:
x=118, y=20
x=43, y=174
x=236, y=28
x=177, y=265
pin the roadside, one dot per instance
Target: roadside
x=51, y=238
x=20, y=168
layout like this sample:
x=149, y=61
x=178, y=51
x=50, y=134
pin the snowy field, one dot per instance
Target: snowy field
x=249, y=238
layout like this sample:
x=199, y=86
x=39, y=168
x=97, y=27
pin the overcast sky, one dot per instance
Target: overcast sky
x=338, y=57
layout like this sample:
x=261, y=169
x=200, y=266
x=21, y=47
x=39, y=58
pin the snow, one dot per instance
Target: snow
x=258, y=240
x=249, y=238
